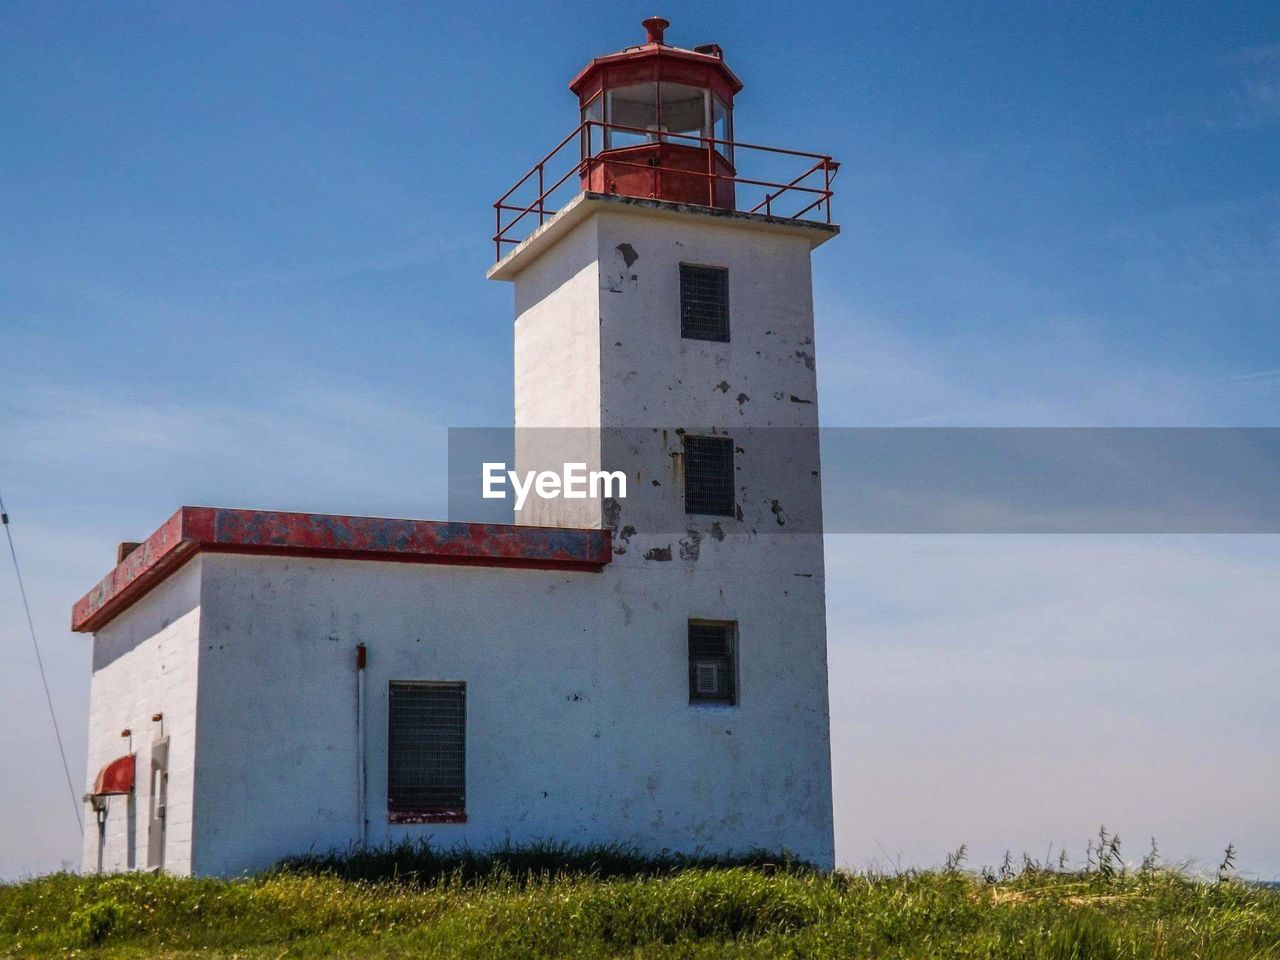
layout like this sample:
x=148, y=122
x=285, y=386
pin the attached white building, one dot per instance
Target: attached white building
x=648, y=670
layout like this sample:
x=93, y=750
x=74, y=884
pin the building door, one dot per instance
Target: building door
x=157, y=803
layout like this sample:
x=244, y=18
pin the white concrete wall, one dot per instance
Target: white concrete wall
x=579, y=725
x=557, y=352
x=145, y=662
x=760, y=389
x=599, y=347
x=657, y=384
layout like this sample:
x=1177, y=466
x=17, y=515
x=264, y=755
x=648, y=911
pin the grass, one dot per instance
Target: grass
x=556, y=902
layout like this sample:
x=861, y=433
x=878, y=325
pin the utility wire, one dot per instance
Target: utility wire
x=22, y=590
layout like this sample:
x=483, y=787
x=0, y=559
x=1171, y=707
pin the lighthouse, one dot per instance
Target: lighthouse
x=664, y=329
x=644, y=667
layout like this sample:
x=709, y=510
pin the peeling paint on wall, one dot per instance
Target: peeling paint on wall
x=690, y=546
x=624, y=539
x=778, y=513
x=629, y=255
x=611, y=512
x=621, y=278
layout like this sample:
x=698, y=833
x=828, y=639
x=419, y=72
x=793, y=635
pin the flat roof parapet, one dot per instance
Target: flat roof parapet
x=193, y=530
x=572, y=213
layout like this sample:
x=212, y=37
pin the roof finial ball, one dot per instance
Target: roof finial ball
x=654, y=27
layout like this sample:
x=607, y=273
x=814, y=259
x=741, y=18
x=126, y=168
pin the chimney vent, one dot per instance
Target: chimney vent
x=654, y=27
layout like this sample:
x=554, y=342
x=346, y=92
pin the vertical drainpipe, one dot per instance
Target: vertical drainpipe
x=362, y=827
x=100, y=814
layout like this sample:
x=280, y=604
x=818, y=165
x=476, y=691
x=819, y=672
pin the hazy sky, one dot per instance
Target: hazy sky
x=242, y=251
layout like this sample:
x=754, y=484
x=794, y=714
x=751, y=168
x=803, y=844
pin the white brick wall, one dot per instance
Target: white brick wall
x=760, y=388
x=145, y=662
x=579, y=726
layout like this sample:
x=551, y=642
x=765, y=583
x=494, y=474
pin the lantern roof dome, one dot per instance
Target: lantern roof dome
x=655, y=56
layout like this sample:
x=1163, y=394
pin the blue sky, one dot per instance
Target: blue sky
x=241, y=263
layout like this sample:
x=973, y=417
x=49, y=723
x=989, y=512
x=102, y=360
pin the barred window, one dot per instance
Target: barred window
x=704, y=303
x=426, y=752
x=708, y=476
x=712, y=667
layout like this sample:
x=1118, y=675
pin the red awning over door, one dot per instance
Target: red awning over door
x=116, y=777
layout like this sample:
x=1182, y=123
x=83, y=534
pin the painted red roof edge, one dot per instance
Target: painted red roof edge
x=655, y=51
x=213, y=529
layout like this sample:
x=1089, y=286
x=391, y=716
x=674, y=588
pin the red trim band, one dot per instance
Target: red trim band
x=427, y=816
x=195, y=529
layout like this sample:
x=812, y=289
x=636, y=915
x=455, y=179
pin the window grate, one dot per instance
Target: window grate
x=704, y=303
x=708, y=476
x=426, y=748
x=712, y=652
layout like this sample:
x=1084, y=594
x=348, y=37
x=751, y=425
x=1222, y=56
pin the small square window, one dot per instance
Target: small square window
x=708, y=476
x=704, y=303
x=426, y=752
x=712, y=662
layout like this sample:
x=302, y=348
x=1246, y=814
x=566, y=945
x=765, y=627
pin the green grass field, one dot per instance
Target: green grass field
x=555, y=903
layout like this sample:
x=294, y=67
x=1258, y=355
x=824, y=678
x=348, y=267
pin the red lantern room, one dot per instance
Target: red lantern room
x=658, y=122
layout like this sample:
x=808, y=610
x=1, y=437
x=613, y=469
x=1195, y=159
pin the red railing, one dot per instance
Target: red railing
x=511, y=213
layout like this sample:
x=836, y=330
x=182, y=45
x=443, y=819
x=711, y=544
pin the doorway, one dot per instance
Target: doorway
x=158, y=800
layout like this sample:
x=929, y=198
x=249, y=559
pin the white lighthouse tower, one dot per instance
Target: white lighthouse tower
x=664, y=328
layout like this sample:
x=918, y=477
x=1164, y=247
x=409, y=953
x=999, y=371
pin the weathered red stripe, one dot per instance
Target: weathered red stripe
x=193, y=529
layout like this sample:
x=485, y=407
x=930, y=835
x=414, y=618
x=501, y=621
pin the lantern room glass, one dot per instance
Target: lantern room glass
x=653, y=109
x=684, y=110
x=633, y=106
x=592, y=134
x=722, y=127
